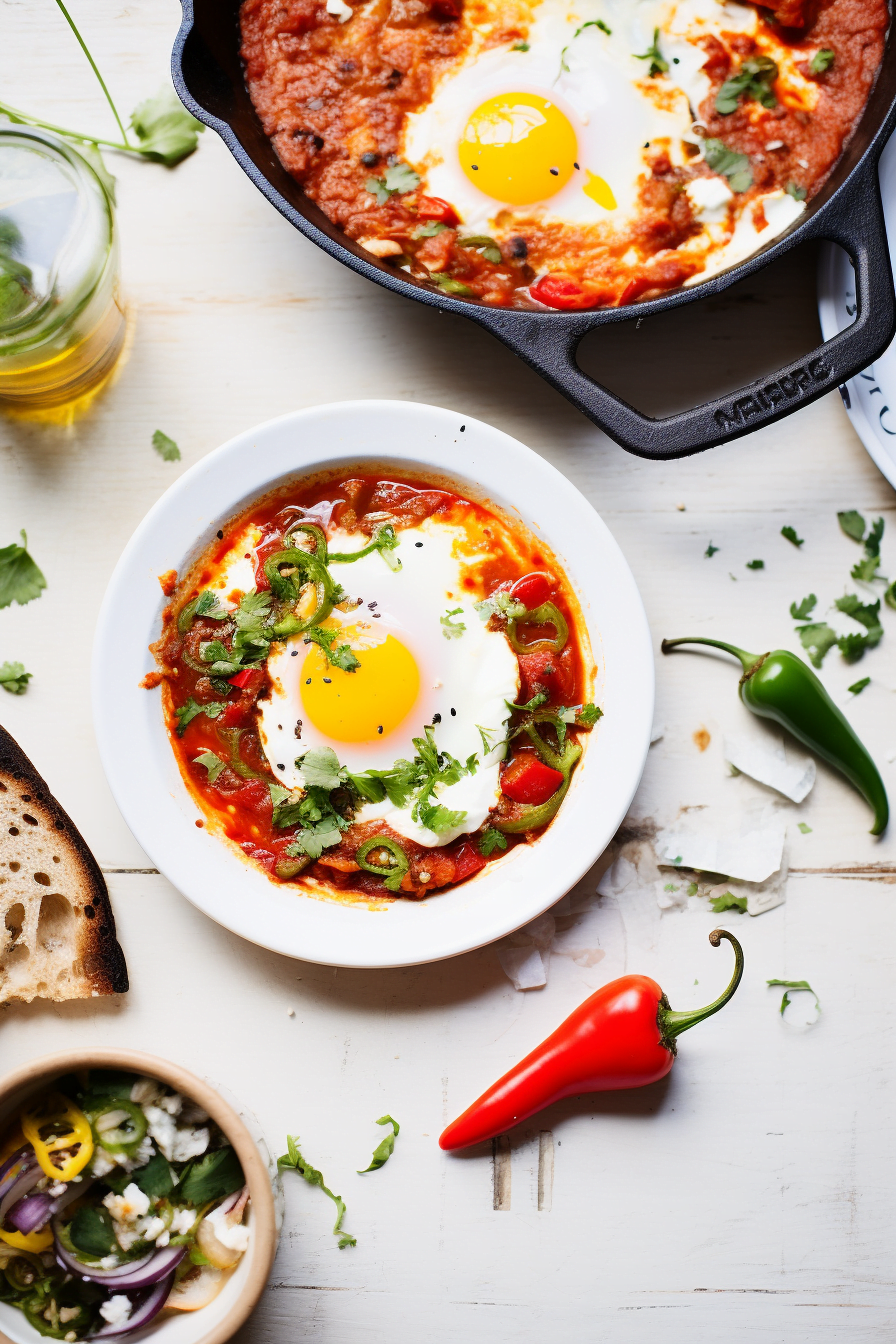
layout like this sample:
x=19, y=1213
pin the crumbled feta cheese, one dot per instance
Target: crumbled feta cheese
x=127, y=1236
x=67, y=1314
x=154, y=1228
x=109, y=1262
x=162, y=1128
x=340, y=10
x=235, y=1236
x=57, y=1188
x=128, y=1207
x=709, y=198
x=189, y=1143
x=117, y=1310
x=69, y=1337
x=182, y=1221
x=163, y=1239
x=140, y=1158
x=145, y=1090
x=172, y=1104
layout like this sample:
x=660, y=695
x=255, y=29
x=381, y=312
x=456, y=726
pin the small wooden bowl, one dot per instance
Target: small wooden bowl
x=223, y=1317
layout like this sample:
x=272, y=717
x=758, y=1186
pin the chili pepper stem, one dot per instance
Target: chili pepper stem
x=672, y=1024
x=749, y=660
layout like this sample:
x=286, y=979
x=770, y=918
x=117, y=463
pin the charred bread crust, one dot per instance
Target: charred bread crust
x=99, y=949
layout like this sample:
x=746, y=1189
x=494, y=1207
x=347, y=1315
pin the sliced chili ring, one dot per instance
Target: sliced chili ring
x=547, y=614
x=287, y=587
x=317, y=534
x=392, y=872
x=120, y=1127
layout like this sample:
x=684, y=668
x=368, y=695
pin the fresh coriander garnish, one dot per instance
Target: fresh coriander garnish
x=437, y=818
x=14, y=678
x=484, y=244
x=816, y=639
x=490, y=840
x=292, y=1160
x=866, y=613
x=588, y=715
x=397, y=180
x=789, y=985
x=658, y=63
x=728, y=901
x=806, y=830
x=485, y=735
x=20, y=579
x=710, y=551
x=858, y=686
x=753, y=80
x=729, y=164
x=213, y=764
x=190, y=709
x=852, y=523
x=166, y=448
x=341, y=657
x=801, y=611
x=592, y=23
x=755, y=564
x=821, y=61
x=520, y=46
x=789, y=534
x=428, y=230
x=538, y=699
x=796, y=191
x=452, y=629
x=321, y=769
x=384, y=1150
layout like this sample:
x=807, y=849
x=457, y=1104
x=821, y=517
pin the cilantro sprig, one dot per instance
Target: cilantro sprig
x=452, y=629
x=754, y=81
x=341, y=657
x=790, y=986
x=384, y=1150
x=398, y=180
x=21, y=580
x=191, y=709
x=658, y=63
x=292, y=1160
x=729, y=164
x=14, y=678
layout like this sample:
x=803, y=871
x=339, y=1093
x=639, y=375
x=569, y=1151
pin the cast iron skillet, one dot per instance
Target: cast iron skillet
x=209, y=79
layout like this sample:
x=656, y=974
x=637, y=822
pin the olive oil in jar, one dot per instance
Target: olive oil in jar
x=62, y=323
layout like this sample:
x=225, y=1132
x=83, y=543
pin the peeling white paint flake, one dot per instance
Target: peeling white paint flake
x=753, y=856
x=523, y=966
x=657, y=733
x=764, y=759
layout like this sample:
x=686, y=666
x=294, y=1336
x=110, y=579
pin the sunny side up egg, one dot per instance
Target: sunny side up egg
x=416, y=667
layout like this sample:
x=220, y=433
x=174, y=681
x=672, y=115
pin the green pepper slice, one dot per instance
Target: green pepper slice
x=317, y=534
x=532, y=816
x=287, y=587
x=546, y=614
x=20, y=1275
x=385, y=539
x=43, y=1314
x=119, y=1127
x=393, y=872
x=231, y=736
x=288, y=868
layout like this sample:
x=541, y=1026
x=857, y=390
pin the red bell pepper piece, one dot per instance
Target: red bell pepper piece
x=558, y=291
x=434, y=208
x=622, y=1036
x=241, y=678
x=528, y=780
x=532, y=590
x=467, y=861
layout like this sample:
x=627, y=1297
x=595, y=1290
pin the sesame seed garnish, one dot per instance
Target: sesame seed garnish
x=380, y=729
x=418, y=544
x=327, y=681
x=454, y=713
x=307, y=681
x=554, y=172
x=294, y=654
x=281, y=767
x=220, y=535
x=437, y=718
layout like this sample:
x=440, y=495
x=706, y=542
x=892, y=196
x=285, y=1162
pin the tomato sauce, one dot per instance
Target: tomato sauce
x=238, y=801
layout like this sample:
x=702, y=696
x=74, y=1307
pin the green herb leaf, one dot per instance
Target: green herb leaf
x=858, y=686
x=852, y=523
x=14, y=678
x=341, y=657
x=166, y=130
x=91, y=1231
x=439, y=819
x=321, y=769
x=821, y=61
x=658, y=63
x=207, y=605
x=789, y=533
x=314, y=840
x=796, y=191
x=292, y=1160
x=710, y=551
x=588, y=715
x=166, y=448
x=482, y=243
x=20, y=579
x=156, y=1179
x=452, y=629
x=853, y=647
x=728, y=901
x=212, y=1176
x=727, y=163
x=755, y=564
x=816, y=640
x=520, y=46
x=806, y=830
x=213, y=764
x=799, y=985
x=867, y=613
x=801, y=611
x=753, y=80
x=874, y=537
x=429, y=230
x=865, y=570
x=383, y=1151
x=189, y=710
x=539, y=698
x=490, y=840
x=396, y=181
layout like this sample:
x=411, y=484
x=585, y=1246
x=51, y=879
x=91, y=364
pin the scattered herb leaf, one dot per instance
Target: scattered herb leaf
x=341, y=657
x=710, y=551
x=190, y=709
x=165, y=129
x=787, y=986
x=852, y=523
x=806, y=830
x=213, y=764
x=755, y=564
x=858, y=686
x=20, y=579
x=796, y=191
x=753, y=80
x=448, y=285
x=292, y=1160
x=728, y=901
x=490, y=840
x=821, y=61
x=14, y=678
x=817, y=639
x=789, y=533
x=658, y=63
x=729, y=164
x=588, y=715
x=397, y=180
x=801, y=611
x=452, y=629
x=384, y=1150
x=166, y=448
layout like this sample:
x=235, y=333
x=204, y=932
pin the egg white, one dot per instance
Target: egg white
x=472, y=674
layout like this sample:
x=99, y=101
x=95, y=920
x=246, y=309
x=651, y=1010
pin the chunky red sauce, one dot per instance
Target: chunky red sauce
x=334, y=99
x=238, y=802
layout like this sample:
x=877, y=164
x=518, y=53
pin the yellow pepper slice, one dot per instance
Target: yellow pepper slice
x=40, y=1240
x=53, y=1124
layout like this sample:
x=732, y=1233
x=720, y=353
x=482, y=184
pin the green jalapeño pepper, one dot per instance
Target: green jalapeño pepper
x=532, y=816
x=779, y=686
x=120, y=1126
x=397, y=861
x=546, y=614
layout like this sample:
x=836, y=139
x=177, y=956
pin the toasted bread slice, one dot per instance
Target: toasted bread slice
x=57, y=931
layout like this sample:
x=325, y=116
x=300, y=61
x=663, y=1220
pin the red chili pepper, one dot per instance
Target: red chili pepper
x=433, y=207
x=529, y=780
x=241, y=678
x=532, y=590
x=622, y=1036
x=558, y=291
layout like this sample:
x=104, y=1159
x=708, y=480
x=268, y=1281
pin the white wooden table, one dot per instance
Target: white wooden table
x=748, y=1198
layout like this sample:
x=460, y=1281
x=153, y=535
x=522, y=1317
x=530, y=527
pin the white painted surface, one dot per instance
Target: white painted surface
x=749, y=1198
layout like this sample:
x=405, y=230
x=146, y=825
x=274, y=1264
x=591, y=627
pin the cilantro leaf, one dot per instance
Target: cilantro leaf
x=190, y=709
x=858, y=686
x=481, y=242
x=727, y=163
x=490, y=840
x=213, y=764
x=292, y=1160
x=166, y=130
x=789, y=534
x=753, y=80
x=806, y=830
x=821, y=61
x=658, y=63
x=20, y=579
x=207, y=604
x=852, y=523
x=874, y=537
x=793, y=985
x=452, y=629
x=816, y=640
x=890, y=595
x=166, y=448
x=14, y=678
x=865, y=570
x=321, y=769
x=867, y=613
x=710, y=551
x=384, y=1150
x=728, y=901
x=485, y=736
x=428, y=230
x=397, y=180
x=315, y=839
x=801, y=611
x=520, y=46
x=755, y=564
x=341, y=657
x=853, y=647
x=538, y=698
x=439, y=819
x=588, y=715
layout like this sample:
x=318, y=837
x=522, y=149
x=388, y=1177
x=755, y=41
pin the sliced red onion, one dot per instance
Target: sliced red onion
x=93, y=1272
x=7, y=1175
x=142, y=1313
x=32, y=1212
x=19, y=1188
x=161, y=1263
x=232, y=1200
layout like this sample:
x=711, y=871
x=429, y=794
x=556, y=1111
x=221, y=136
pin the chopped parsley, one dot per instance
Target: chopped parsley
x=213, y=764
x=791, y=985
x=14, y=678
x=728, y=901
x=858, y=686
x=711, y=551
x=821, y=61
x=428, y=230
x=418, y=779
x=801, y=611
x=755, y=564
x=588, y=715
x=592, y=23
x=490, y=840
x=321, y=769
x=191, y=709
x=806, y=830
x=452, y=629
x=852, y=523
x=816, y=639
x=753, y=80
x=292, y=1160
x=500, y=604
x=20, y=579
x=520, y=46
x=384, y=1150
x=658, y=63
x=397, y=180
x=166, y=448
x=729, y=164
x=789, y=534
x=437, y=818
x=341, y=657
x=853, y=646
x=482, y=243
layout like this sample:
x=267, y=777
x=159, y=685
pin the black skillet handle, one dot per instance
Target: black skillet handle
x=855, y=220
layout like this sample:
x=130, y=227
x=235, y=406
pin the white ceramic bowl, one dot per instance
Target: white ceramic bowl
x=140, y=763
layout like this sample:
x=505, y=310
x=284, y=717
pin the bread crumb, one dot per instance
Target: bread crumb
x=680, y=508
x=168, y=581
x=290, y=1012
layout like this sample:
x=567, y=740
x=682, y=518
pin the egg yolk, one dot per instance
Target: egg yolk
x=519, y=148
x=367, y=703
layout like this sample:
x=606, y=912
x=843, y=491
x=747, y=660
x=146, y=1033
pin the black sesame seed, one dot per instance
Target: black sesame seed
x=462, y=428
x=380, y=729
x=454, y=713
x=220, y=535
x=475, y=167
x=377, y=615
x=647, y=145
x=370, y=160
x=294, y=654
x=554, y=172
x=281, y=767
x=328, y=681
x=307, y=681
x=418, y=544
x=576, y=166
x=437, y=718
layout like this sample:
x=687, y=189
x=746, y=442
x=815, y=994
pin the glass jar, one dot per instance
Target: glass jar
x=62, y=323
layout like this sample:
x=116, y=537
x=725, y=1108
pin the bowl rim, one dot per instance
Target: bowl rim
x=400, y=435
x=20, y=1082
